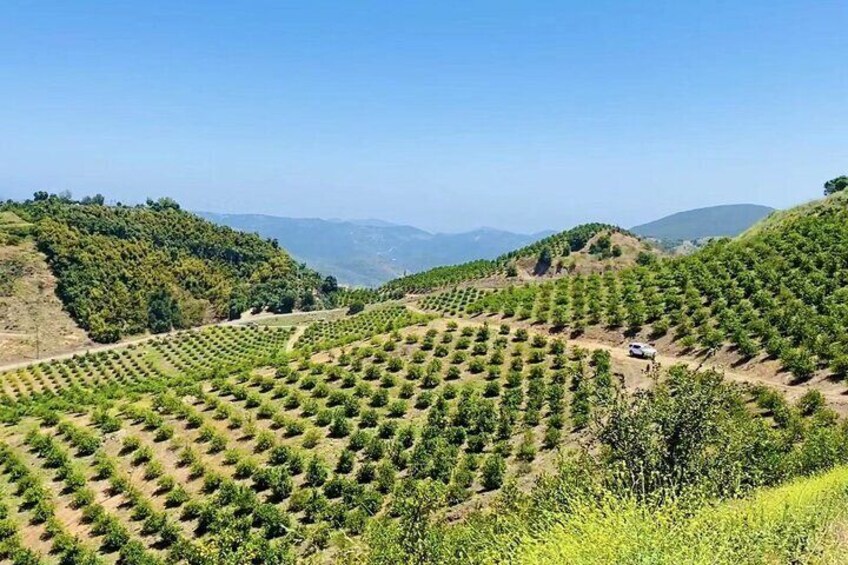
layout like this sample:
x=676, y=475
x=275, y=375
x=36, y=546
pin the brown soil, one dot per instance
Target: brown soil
x=758, y=370
x=32, y=320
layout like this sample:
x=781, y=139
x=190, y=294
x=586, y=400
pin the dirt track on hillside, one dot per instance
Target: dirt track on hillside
x=835, y=393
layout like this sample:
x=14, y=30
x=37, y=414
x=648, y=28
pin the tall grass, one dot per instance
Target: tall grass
x=796, y=523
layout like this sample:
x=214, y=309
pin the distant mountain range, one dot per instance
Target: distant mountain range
x=715, y=221
x=371, y=252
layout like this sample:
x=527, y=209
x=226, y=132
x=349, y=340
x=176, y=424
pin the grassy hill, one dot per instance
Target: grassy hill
x=797, y=523
x=715, y=221
x=125, y=270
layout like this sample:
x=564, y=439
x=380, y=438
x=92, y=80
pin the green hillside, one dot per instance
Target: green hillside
x=779, y=289
x=124, y=270
x=796, y=523
x=546, y=251
x=678, y=474
x=480, y=433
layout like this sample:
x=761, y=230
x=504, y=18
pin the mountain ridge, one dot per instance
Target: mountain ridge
x=724, y=220
x=372, y=252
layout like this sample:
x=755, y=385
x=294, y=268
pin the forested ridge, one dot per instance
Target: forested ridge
x=123, y=270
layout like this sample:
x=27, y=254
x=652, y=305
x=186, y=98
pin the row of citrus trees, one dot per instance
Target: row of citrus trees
x=782, y=292
x=472, y=388
x=646, y=488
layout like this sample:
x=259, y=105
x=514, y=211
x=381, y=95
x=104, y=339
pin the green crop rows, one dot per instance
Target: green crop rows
x=779, y=292
x=452, y=302
x=327, y=334
x=286, y=457
x=188, y=352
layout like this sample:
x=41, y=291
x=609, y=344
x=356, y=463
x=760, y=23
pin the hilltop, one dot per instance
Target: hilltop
x=124, y=270
x=371, y=252
x=715, y=221
x=586, y=248
x=750, y=299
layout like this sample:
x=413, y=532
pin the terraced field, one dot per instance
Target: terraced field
x=196, y=352
x=162, y=452
x=381, y=319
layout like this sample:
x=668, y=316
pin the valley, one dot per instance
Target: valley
x=446, y=405
x=423, y=283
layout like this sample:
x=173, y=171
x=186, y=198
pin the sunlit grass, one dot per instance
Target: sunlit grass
x=797, y=523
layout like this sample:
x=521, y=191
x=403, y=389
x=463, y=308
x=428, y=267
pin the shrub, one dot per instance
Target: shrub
x=316, y=472
x=492, y=472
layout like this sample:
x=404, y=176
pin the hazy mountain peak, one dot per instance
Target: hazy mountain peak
x=726, y=220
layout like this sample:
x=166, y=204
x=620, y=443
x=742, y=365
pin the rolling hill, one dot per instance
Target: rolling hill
x=371, y=252
x=779, y=290
x=585, y=248
x=715, y=221
x=124, y=270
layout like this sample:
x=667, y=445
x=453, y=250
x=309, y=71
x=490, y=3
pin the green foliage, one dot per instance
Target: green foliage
x=11, y=270
x=779, y=290
x=454, y=301
x=493, y=472
x=660, y=465
x=790, y=524
x=123, y=270
x=327, y=334
x=835, y=185
x=557, y=245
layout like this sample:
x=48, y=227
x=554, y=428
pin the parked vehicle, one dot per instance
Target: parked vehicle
x=642, y=351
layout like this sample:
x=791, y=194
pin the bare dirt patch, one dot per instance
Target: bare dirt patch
x=32, y=320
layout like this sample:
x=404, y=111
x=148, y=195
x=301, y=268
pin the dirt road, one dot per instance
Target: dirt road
x=95, y=348
x=619, y=353
x=835, y=393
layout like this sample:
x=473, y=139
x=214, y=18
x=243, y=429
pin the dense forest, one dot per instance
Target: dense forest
x=123, y=270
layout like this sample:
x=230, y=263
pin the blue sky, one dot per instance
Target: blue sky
x=446, y=115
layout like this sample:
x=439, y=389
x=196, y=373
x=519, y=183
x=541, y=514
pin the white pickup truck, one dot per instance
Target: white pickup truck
x=642, y=351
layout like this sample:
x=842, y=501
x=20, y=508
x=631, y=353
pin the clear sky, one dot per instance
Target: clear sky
x=522, y=115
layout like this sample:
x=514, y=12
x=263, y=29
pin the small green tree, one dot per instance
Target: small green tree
x=838, y=184
x=316, y=472
x=493, y=471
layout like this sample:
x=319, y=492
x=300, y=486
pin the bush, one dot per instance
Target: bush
x=492, y=472
x=316, y=472
x=811, y=402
